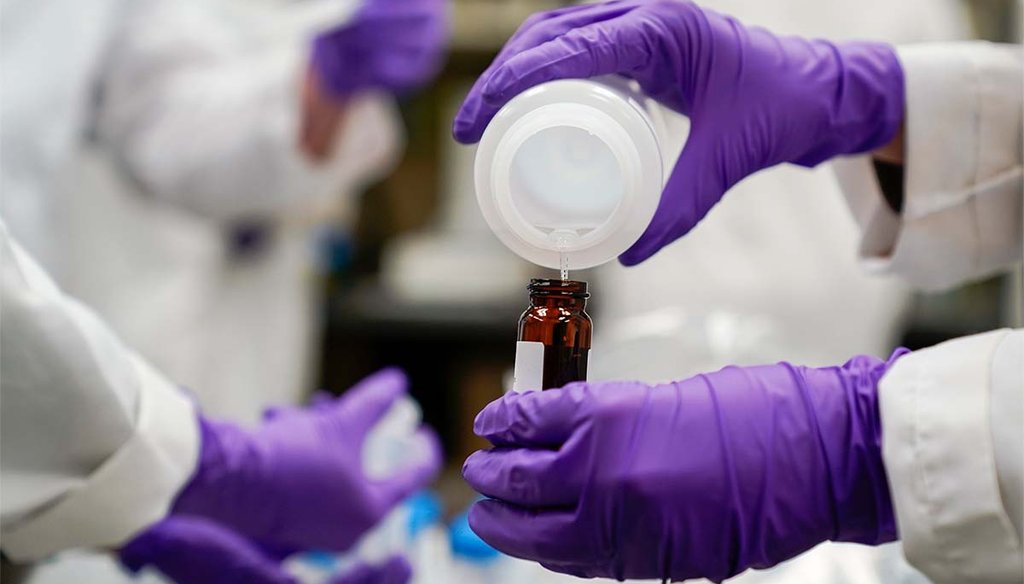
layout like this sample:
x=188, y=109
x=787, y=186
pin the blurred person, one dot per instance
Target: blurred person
x=227, y=138
x=195, y=147
x=98, y=446
x=750, y=466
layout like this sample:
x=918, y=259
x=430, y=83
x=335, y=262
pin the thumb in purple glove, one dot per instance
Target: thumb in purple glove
x=754, y=99
x=297, y=480
x=391, y=45
x=190, y=550
x=707, y=477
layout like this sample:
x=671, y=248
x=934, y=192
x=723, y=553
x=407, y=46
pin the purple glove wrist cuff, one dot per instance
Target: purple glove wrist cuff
x=867, y=107
x=863, y=504
x=222, y=447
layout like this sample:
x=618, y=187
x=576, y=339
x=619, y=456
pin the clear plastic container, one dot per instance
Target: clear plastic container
x=571, y=171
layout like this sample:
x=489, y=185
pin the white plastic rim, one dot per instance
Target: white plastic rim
x=530, y=202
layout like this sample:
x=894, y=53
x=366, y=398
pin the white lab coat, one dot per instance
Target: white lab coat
x=953, y=414
x=95, y=442
x=192, y=111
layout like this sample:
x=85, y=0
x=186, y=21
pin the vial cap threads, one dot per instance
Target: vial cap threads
x=553, y=287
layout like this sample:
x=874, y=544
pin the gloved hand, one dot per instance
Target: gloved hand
x=754, y=99
x=199, y=551
x=190, y=550
x=297, y=479
x=391, y=45
x=706, y=477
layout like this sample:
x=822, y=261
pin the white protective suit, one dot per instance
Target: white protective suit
x=191, y=108
x=95, y=441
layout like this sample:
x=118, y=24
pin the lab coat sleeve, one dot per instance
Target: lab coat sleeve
x=961, y=216
x=952, y=444
x=204, y=113
x=95, y=443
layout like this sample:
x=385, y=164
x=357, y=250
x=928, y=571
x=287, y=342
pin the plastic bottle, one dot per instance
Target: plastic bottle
x=569, y=173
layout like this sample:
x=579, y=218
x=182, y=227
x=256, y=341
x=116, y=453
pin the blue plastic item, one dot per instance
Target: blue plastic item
x=322, y=560
x=468, y=545
x=424, y=510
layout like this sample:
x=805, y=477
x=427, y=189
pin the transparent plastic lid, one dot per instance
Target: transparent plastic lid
x=569, y=167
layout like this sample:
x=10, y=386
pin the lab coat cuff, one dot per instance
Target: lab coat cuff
x=129, y=491
x=961, y=204
x=937, y=444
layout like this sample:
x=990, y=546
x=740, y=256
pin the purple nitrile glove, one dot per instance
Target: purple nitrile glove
x=297, y=479
x=391, y=45
x=192, y=550
x=754, y=99
x=706, y=477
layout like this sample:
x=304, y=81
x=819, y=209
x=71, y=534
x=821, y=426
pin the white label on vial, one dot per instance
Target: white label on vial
x=529, y=369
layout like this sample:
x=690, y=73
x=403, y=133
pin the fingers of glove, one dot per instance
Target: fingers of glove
x=427, y=35
x=693, y=188
x=570, y=569
x=318, y=401
x=365, y=403
x=418, y=474
x=396, y=570
x=543, y=536
x=522, y=476
x=199, y=551
x=472, y=117
x=542, y=27
x=534, y=418
x=596, y=49
x=538, y=29
x=321, y=399
x=589, y=51
x=377, y=10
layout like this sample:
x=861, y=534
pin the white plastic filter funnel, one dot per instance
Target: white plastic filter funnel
x=570, y=167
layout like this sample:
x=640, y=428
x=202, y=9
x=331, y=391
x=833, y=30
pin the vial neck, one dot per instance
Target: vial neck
x=566, y=294
x=565, y=302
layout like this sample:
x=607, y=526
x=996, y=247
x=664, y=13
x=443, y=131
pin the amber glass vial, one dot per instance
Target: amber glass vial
x=554, y=335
